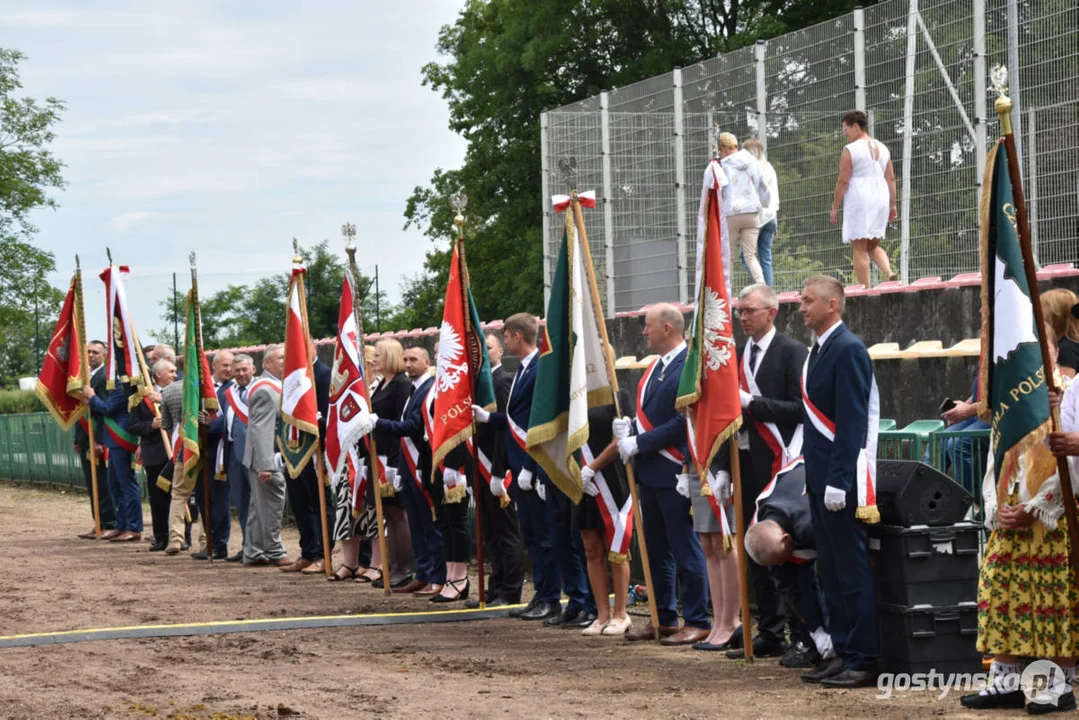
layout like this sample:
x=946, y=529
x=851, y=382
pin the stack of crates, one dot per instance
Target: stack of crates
x=927, y=591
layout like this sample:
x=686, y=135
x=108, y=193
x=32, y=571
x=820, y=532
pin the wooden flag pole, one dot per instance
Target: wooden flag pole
x=349, y=231
x=85, y=367
x=459, y=202
x=608, y=359
x=740, y=547
x=1004, y=109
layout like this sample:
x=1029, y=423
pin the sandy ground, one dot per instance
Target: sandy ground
x=487, y=669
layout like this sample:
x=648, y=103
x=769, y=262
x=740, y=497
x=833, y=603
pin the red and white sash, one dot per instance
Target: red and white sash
x=520, y=435
x=618, y=521
x=866, y=473
x=237, y=407
x=645, y=425
x=485, y=470
x=782, y=453
x=798, y=556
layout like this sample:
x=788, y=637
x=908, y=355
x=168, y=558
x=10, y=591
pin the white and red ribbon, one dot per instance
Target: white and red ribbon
x=645, y=425
x=561, y=202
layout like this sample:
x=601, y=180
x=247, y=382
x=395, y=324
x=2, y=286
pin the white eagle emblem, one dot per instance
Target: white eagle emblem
x=718, y=348
x=449, y=366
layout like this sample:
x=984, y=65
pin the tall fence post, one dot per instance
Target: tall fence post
x=908, y=141
x=760, y=51
x=1014, y=90
x=608, y=203
x=859, y=59
x=680, y=186
x=545, y=207
x=1032, y=182
x=980, y=89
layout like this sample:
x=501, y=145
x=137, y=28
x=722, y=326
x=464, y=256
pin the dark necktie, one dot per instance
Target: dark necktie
x=657, y=377
x=813, y=355
x=243, y=393
x=754, y=351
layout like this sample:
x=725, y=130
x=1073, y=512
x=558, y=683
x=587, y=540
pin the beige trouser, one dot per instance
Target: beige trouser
x=181, y=491
x=743, y=230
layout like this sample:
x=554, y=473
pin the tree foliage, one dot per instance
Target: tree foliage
x=28, y=170
x=508, y=61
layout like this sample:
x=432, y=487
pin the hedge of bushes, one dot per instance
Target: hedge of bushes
x=19, y=401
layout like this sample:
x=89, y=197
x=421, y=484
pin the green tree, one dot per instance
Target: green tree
x=28, y=170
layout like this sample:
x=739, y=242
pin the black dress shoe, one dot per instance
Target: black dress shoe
x=200, y=555
x=1014, y=700
x=158, y=546
x=495, y=603
x=238, y=557
x=1065, y=703
x=851, y=679
x=824, y=669
x=542, y=611
x=399, y=584
x=518, y=612
x=734, y=642
x=567, y=616
x=800, y=655
x=583, y=620
x=185, y=546
x=762, y=648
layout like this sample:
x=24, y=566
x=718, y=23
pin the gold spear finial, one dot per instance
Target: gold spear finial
x=998, y=78
x=296, y=258
x=348, y=231
x=459, y=202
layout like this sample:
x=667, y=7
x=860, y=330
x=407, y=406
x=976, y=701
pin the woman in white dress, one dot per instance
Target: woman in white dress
x=866, y=187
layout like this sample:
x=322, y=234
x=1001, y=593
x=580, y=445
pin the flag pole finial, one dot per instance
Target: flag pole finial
x=567, y=165
x=998, y=78
x=296, y=251
x=77, y=265
x=713, y=140
x=348, y=231
x=108, y=254
x=191, y=258
x=459, y=202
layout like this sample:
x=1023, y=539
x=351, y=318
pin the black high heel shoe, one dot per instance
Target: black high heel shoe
x=456, y=585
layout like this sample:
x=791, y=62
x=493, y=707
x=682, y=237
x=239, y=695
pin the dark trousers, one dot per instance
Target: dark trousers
x=220, y=516
x=426, y=539
x=124, y=486
x=770, y=624
x=568, y=550
x=847, y=582
x=104, y=496
x=502, y=541
x=453, y=526
x=159, y=501
x=675, y=553
x=536, y=534
x=303, y=498
x=239, y=492
x=801, y=599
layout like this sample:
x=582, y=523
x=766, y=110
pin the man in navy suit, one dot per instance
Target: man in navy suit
x=836, y=390
x=231, y=427
x=220, y=518
x=557, y=561
x=414, y=471
x=657, y=443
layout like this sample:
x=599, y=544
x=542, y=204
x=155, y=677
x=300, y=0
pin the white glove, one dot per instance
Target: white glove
x=524, y=480
x=621, y=427
x=451, y=478
x=394, y=478
x=278, y=463
x=480, y=414
x=823, y=641
x=721, y=486
x=682, y=486
x=590, y=487
x=541, y=491
x=367, y=422
x=498, y=489
x=834, y=498
x=627, y=448
x=745, y=397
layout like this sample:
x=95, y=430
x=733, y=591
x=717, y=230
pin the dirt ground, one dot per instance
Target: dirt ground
x=485, y=669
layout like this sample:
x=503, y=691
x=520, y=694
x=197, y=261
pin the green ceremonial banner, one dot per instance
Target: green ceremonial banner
x=192, y=394
x=485, y=386
x=1012, y=389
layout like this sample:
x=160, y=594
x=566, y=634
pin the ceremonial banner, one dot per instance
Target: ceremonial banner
x=462, y=368
x=297, y=436
x=348, y=388
x=572, y=372
x=1013, y=395
x=708, y=388
x=123, y=355
x=198, y=389
x=61, y=371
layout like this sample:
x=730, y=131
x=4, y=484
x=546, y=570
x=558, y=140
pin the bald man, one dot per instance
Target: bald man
x=656, y=442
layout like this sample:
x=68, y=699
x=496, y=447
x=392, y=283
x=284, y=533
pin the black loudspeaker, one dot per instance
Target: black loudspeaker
x=912, y=493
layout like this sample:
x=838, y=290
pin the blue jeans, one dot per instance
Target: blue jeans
x=764, y=251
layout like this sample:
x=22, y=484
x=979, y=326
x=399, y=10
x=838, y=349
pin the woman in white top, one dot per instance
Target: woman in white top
x=743, y=199
x=866, y=187
x=766, y=219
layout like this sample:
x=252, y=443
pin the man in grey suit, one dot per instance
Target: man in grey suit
x=234, y=423
x=172, y=402
x=262, y=544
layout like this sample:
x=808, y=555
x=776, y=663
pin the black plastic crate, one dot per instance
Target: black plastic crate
x=935, y=566
x=927, y=637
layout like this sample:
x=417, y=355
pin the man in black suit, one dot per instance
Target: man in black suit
x=146, y=423
x=770, y=372
x=501, y=533
x=220, y=516
x=95, y=353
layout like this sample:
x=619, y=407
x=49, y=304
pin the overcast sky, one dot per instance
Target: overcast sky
x=229, y=127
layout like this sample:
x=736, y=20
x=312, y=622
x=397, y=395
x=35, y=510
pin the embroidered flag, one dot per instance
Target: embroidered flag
x=198, y=389
x=708, y=388
x=297, y=434
x=348, y=388
x=62, y=370
x=1013, y=395
x=571, y=375
x=462, y=368
x=123, y=356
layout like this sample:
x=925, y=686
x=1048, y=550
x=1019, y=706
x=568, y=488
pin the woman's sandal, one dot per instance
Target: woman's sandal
x=338, y=576
x=363, y=579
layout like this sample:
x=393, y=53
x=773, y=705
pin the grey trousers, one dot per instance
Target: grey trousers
x=263, y=540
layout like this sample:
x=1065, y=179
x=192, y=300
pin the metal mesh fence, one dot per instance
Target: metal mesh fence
x=920, y=71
